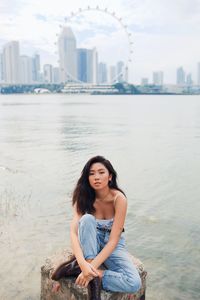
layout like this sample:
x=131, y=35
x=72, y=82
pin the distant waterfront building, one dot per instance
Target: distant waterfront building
x=112, y=74
x=82, y=64
x=144, y=81
x=92, y=66
x=120, y=71
x=126, y=74
x=198, y=74
x=87, y=62
x=56, y=75
x=25, y=69
x=180, y=76
x=11, y=62
x=48, y=73
x=36, y=68
x=102, y=73
x=67, y=55
x=158, y=78
x=41, y=77
x=1, y=67
x=189, y=80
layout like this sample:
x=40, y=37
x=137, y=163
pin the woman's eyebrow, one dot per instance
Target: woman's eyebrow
x=97, y=170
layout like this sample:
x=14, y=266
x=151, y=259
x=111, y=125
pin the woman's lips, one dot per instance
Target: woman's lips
x=97, y=183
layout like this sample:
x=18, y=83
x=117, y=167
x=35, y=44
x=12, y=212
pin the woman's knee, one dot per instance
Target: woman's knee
x=87, y=219
x=134, y=284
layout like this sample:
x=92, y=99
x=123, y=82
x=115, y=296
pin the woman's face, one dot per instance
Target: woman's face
x=99, y=176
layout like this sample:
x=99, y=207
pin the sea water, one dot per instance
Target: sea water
x=153, y=142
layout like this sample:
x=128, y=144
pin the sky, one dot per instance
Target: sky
x=165, y=34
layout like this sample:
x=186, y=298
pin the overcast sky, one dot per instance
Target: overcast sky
x=165, y=33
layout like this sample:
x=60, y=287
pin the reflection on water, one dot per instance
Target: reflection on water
x=153, y=142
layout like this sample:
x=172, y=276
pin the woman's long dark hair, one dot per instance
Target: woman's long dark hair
x=84, y=194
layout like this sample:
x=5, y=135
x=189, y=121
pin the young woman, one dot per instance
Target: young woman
x=97, y=233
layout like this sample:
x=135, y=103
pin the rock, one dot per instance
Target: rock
x=70, y=291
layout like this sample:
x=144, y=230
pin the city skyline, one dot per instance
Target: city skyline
x=75, y=64
x=165, y=33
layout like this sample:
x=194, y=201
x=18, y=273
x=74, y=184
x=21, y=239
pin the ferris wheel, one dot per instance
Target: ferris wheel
x=68, y=19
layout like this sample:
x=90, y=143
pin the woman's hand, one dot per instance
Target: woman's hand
x=87, y=274
x=82, y=281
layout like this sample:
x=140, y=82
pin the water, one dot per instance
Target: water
x=152, y=141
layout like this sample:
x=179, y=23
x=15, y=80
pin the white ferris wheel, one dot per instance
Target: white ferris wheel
x=68, y=19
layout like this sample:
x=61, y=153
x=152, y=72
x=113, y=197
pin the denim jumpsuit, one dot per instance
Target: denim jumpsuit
x=120, y=275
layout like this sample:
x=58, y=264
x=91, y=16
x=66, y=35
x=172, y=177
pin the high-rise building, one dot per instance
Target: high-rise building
x=144, y=81
x=102, y=73
x=126, y=74
x=189, y=80
x=1, y=67
x=180, y=76
x=25, y=69
x=11, y=62
x=48, y=73
x=198, y=74
x=82, y=64
x=92, y=65
x=36, y=68
x=158, y=78
x=67, y=55
x=87, y=61
x=120, y=71
x=56, y=75
x=112, y=74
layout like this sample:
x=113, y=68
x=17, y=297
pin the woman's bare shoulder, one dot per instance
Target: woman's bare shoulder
x=118, y=195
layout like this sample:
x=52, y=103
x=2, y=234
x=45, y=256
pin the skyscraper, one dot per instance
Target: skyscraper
x=126, y=74
x=180, y=76
x=158, y=78
x=25, y=69
x=112, y=74
x=120, y=71
x=1, y=67
x=189, y=81
x=48, y=73
x=56, y=75
x=198, y=74
x=87, y=60
x=36, y=68
x=82, y=64
x=102, y=73
x=92, y=65
x=11, y=62
x=67, y=55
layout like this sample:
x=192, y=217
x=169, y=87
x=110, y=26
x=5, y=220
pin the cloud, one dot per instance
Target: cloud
x=165, y=53
x=162, y=30
x=11, y=7
x=41, y=17
x=166, y=16
x=107, y=45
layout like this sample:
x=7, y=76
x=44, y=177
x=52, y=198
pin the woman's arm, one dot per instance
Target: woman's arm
x=74, y=238
x=117, y=227
x=86, y=268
